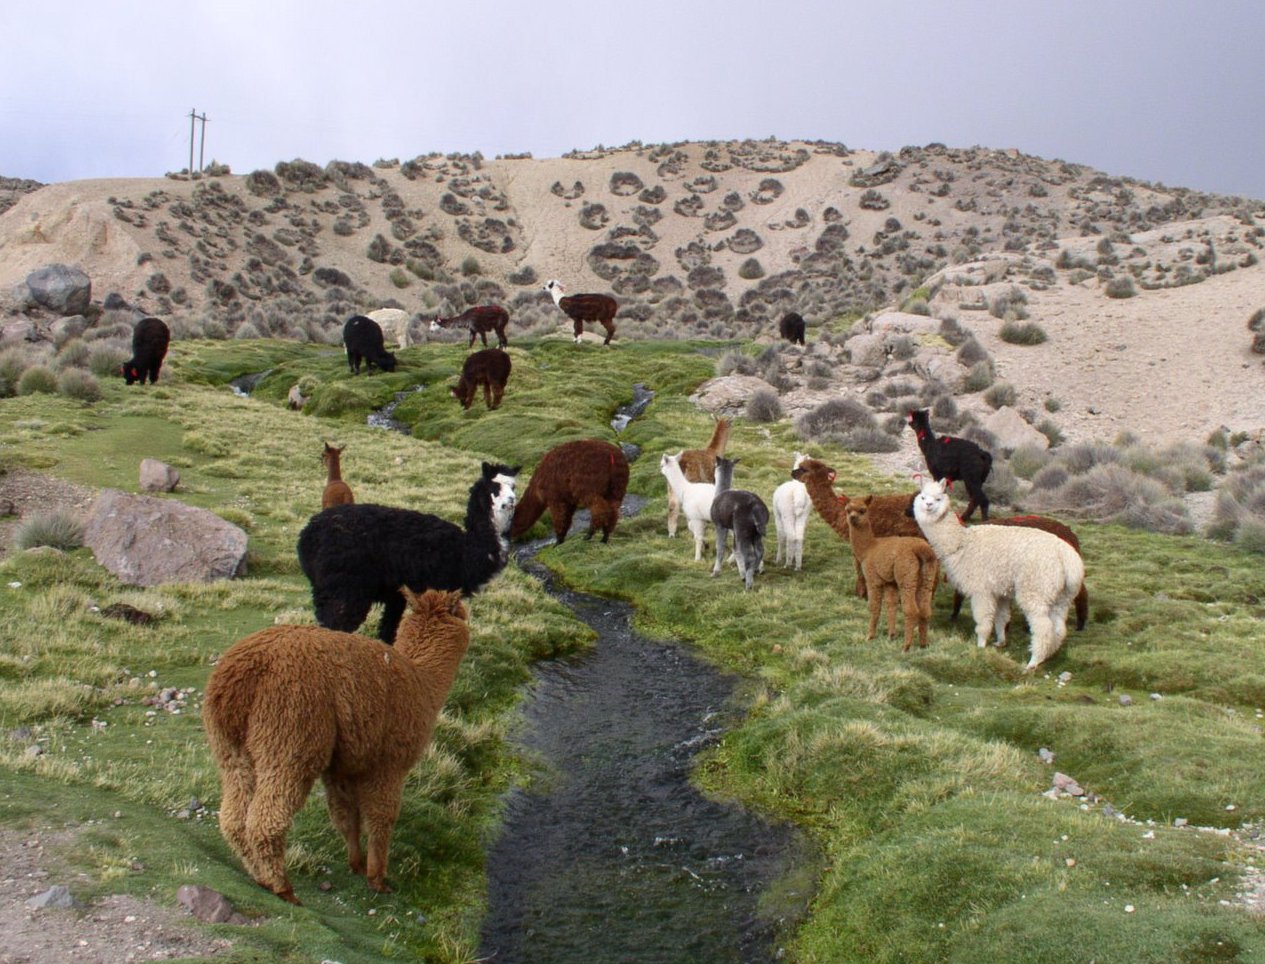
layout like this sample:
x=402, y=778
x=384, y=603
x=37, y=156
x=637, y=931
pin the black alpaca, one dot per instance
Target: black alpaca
x=362, y=337
x=356, y=555
x=150, y=338
x=791, y=327
x=745, y=514
x=953, y=459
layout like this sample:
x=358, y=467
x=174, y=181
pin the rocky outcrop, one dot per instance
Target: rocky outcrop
x=146, y=541
x=60, y=288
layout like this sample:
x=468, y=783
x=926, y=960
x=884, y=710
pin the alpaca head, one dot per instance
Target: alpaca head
x=797, y=459
x=669, y=462
x=932, y=502
x=331, y=454
x=724, y=472
x=858, y=512
x=435, y=325
x=388, y=361
x=436, y=618
x=555, y=288
x=919, y=419
x=813, y=469
x=498, y=483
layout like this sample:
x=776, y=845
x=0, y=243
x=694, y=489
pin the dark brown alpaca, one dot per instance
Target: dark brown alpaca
x=588, y=473
x=699, y=465
x=587, y=307
x=1054, y=527
x=337, y=492
x=887, y=513
x=479, y=320
x=489, y=368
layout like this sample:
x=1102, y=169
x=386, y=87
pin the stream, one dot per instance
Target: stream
x=610, y=854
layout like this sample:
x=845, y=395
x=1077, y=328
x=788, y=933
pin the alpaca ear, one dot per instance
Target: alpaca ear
x=410, y=597
x=453, y=605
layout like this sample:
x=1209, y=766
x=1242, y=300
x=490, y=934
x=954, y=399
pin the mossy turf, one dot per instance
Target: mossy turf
x=916, y=775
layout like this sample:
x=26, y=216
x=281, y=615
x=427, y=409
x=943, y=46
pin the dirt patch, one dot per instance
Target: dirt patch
x=116, y=928
x=24, y=493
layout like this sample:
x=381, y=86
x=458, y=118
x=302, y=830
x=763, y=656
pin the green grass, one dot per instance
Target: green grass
x=915, y=775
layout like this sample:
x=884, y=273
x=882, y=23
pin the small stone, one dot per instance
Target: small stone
x=1045, y=755
x=325, y=886
x=1180, y=822
x=1157, y=696
x=1070, y=861
x=1128, y=908
x=208, y=905
x=33, y=751
x=1126, y=699
x=1065, y=677
x=57, y=896
x=1108, y=810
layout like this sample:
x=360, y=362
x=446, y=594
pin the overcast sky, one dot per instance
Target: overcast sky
x=1170, y=91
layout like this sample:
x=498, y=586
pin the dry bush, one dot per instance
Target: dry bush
x=1114, y=493
x=848, y=423
x=764, y=406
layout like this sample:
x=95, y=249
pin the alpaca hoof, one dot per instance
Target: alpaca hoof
x=357, y=867
x=380, y=886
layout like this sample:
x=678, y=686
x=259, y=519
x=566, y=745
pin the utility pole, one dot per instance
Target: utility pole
x=193, y=119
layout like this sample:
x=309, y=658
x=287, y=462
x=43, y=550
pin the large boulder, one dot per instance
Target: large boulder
x=60, y=288
x=728, y=394
x=158, y=476
x=1012, y=432
x=146, y=541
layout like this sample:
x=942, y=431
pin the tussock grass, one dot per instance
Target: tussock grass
x=916, y=775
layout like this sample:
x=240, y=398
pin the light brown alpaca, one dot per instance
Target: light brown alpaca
x=289, y=704
x=699, y=465
x=894, y=566
x=337, y=492
x=888, y=513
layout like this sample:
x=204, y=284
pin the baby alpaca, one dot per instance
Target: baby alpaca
x=694, y=497
x=489, y=368
x=289, y=704
x=895, y=565
x=745, y=514
x=337, y=492
x=588, y=472
x=790, y=516
x=994, y=565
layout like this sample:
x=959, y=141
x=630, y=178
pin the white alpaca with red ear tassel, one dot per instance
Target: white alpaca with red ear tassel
x=992, y=565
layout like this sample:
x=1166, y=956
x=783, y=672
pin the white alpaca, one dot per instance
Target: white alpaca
x=994, y=565
x=695, y=498
x=791, y=507
x=394, y=323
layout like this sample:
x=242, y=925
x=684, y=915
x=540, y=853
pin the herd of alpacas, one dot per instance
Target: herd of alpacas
x=292, y=704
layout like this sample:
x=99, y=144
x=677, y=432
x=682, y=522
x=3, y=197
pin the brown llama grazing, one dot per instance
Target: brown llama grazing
x=479, y=320
x=289, y=704
x=1081, y=602
x=587, y=307
x=337, y=492
x=887, y=512
x=894, y=566
x=588, y=472
x=698, y=465
x=489, y=368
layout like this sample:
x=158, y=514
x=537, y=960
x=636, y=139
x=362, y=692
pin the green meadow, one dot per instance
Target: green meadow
x=915, y=776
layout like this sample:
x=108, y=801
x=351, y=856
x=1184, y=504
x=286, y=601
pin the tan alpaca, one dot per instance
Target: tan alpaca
x=337, y=492
x=289, y=704
x=698, y=465
x=894, y=566
x=888, y=513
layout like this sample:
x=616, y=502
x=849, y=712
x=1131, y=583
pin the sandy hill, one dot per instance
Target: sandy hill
x=1144, y=290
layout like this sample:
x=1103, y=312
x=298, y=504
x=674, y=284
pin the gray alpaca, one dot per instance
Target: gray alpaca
x=745, y=514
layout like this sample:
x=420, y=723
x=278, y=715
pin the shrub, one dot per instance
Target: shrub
x=79, y=384
x=971, y=351
x=37, y=378
x=1009, y=304
x=13, y=363
x=400, y=278
x=1022, y=333
x=73, y=354
x=750, y=269
x=1052, y=404
x=1051, y=477
x=847, y=422
x=106, y=361
x=979, y=377
x=735, y=362
x=1114, y=493
x=952, y=331
x=1027, y=460
x=470, y=267
x=1120, y=288
x=764, y=406
x=1050, y=431
x=1256, y=325
x=1000, y=395
x=58, y=529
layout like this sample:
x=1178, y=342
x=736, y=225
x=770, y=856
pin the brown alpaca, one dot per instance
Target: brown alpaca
x=337, y=492
x=894, y=565
x=489, y=368
x=888, y=513
x=1054, y=527
x=699, y=465
x=590, y=473
x=289, y=704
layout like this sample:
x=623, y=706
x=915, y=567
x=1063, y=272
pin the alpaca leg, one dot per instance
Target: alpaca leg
x=674, y=510
x=1001, y=621
x=860, y=584
x=238, y=781
x=891, y=599
x=279, y=793
x=876, y=608
x=561, y=513
x=722, y=542
x=1042, y=630
x=344, y=814
x=1082, y=607
x=983, y=608
x=696, y=529
x=380, y=807
x=909, y=604
x=957, y=606
x=606, y=516
x=782, y=538
x=392, y=613
x=487, y=395
x=497, y=394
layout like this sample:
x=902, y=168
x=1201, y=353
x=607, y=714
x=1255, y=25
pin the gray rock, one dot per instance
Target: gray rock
x=147, y=541
x=1012, y=432
x=60, y=288
x=1126, y=699
x=728, y=394
x=64, y=329
x=158, y=476
x=1065, y=783
x=208, y=905
x=57, y=896
x=1045, y=755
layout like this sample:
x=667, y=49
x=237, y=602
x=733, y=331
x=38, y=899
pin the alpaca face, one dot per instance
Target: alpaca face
x=504, y=500
x=932, y=502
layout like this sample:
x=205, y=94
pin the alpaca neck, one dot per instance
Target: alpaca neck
x=827, y=504
x=676, y=478
x=335, y=473
x=556, y=293
x=438, y=664
x=862, y=539
x=720, y=438
x=945, y=534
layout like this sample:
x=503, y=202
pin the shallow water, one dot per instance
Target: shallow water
x=611, y=854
